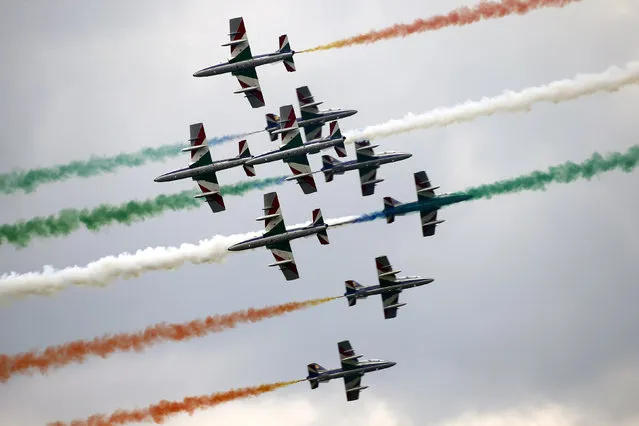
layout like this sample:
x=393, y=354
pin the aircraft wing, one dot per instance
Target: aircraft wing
x=274, y=225
x=313, y=131
x=385, y=272
x=352, y=384
x=210, y=191
x=240, y=52
x=368, y=179
x=302, y=170
x=390, y=302
x=427, y=217
x=247, y=78
x=283, y=254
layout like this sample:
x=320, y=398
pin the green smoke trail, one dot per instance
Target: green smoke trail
x=563, y=173
x=535, y=181
x=69, y=220
x=29, y=180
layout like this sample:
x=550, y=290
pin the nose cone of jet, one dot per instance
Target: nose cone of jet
x=201, y=73
x=390, y=364
x=161, y=178
x=350, y=112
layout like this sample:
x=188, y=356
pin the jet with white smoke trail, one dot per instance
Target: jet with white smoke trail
x=611, y=80
x=215, y=249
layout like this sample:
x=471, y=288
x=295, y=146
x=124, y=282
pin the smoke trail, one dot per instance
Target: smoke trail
x=126, y=265
x=612, y=79
x=159, y=412
x=29, y=180
x=536, y=181
x=458, y=17
x=79, y=350
x=69, y=220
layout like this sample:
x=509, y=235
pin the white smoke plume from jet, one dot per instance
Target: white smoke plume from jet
x=128, y=265
x=612, y=79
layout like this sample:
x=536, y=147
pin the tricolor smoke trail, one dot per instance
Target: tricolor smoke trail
x=126, y=265
x=69, y=220
x=458, y=17
x=29, y=180
x=611, y=80
x=159, y=412
x=79, y=350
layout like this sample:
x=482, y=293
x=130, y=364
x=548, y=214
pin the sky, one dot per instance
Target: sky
x=532, y=316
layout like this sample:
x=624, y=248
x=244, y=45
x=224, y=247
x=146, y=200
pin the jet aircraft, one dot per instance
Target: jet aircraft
x=389, y=287
x=294, y=151
x=242, y=63
x=427, y=203
x=367, y=163
x=312, y=118
x=277, y=238
x=202, y=168
x=352, y=370
x=292, y=141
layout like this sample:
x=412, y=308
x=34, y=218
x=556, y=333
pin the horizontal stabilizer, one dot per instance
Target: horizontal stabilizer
x=206, y=194
x=357, y=389
x=282, y=262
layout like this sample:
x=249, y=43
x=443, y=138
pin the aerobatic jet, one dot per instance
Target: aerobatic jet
x=352, y=370
x=367, y=163
x=242, y=63
x=427, y=203
x=277, y=238
x=202, y=168
x=292, y=142
x=312, y=118
x=294, y=151
x=389, y=287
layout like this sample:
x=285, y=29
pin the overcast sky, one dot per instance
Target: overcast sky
x=532, y=317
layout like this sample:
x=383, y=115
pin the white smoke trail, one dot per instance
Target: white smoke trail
x=612, y=79
x=126, y=265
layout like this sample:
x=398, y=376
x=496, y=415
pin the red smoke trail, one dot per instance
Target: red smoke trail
x=77, y=351
x=163, y=409
x=458, y=17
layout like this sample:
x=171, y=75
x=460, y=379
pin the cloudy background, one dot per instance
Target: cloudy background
x=532, y=318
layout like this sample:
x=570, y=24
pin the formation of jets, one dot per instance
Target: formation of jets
x=294, y=152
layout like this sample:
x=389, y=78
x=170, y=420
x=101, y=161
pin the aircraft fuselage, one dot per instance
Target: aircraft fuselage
x=256, y=61
x=362, y=368
x=400, y=284
x=377, y=161
x=430, y=205
x=186, y=172
x=274, y=239
x=326, y=116
x=311, y=147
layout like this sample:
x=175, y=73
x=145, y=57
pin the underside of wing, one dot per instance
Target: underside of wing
x=352, y=384
x=313, y=131
x=210, y=191
x=428, y=225
x=368, y=180
x=283, y=255
x=250, y=84
x=238, y=41
x=390, y=302
x=302, y=173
